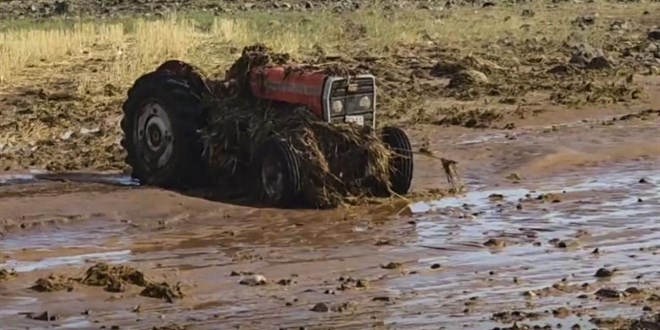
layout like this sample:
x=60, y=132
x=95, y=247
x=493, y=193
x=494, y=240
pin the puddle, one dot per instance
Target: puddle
x=42, y=176
x=597, y=209
x=109, y=257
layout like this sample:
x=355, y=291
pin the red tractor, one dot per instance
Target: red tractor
x=163, y=118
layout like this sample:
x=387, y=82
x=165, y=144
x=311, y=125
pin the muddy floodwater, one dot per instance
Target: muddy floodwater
x=558, y=227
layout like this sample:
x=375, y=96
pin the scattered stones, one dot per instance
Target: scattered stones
x=561, y=312
x=285, y=282
x=45, y=316
x=589, y=57
x=235, y=273
x=349, y=283
x=514, y=316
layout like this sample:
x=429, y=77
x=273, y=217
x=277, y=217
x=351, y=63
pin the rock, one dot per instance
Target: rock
x=585, y=20
x=619, y=26
x=467, y=78
x=608, y=293
x=599, y=63
x=529, y=294
x=495, y=243
x=254, y=280
x=654, y=34
x=604, y=272
x=392, y=265
x=435, y=266
x=321, y=308
x=527, y=13
x=561, y=312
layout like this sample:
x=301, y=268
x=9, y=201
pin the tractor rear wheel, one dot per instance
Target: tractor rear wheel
x=401, y=164
x=278, y=173
x=162, y=116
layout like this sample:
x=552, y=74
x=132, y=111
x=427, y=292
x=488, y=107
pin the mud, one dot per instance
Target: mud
x=420, y=265
x=557, y=227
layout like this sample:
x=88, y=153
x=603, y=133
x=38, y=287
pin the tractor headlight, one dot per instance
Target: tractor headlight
x=337, y=106
x=365, y=103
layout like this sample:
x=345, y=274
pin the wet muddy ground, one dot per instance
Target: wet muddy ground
x=558, y=228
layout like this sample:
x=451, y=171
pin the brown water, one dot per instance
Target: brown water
x=594, y=205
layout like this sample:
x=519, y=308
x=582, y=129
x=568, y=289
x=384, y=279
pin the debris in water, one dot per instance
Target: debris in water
x=6, y=274
x=392, y=265
x=163, y=291
x=495, y=243
x=45, y=316
x=451, y=171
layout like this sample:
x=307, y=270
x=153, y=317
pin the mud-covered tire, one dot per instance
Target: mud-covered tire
x=278, y=173
x=401, y=164
x=177, y=109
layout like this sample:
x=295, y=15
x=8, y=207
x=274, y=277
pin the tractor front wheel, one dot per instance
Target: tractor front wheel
x=401, y=163
x=278, y=173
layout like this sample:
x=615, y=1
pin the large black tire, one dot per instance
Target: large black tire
x=401, y=165
x=278, y=171
x=161, y=122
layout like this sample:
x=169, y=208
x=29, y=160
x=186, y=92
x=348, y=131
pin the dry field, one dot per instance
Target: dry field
x=550, y=108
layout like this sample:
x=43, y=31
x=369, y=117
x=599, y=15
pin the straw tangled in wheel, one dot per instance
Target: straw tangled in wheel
x=337, y=161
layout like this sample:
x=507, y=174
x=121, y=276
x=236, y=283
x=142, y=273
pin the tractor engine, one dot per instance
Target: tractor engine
x=332, y=98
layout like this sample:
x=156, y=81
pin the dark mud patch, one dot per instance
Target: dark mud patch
x=113, y=279
x=53, y=283
x=163, y=290
x=111, y=276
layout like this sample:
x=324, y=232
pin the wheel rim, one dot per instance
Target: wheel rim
x=272, y=178
x=154, y=135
